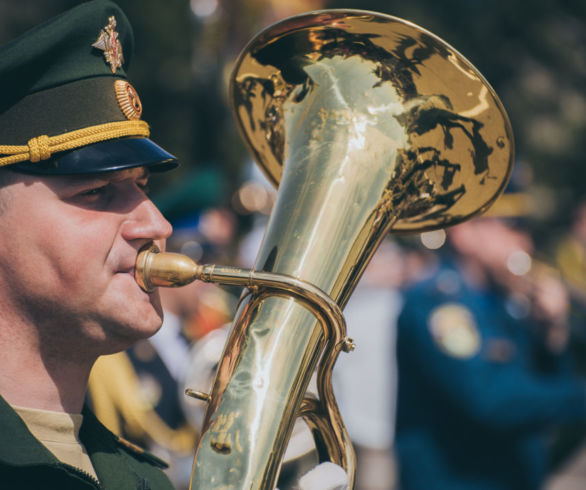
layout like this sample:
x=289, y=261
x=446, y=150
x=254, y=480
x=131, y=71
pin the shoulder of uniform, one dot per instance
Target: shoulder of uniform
x=140, y=453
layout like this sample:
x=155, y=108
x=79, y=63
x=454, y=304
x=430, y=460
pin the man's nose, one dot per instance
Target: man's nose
x=146, y=222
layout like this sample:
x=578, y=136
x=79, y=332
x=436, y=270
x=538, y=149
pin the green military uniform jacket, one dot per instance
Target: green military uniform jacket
x=26, y=464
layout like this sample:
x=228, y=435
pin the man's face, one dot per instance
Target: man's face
x=68, y=248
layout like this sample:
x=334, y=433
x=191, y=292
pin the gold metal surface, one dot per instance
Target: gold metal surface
x=200, y=395
x=322, y=414
x=128, y=99
x=351, y=84
x=365, y=122
x=109, y=43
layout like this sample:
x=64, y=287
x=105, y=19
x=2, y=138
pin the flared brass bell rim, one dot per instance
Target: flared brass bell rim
x=325, y=18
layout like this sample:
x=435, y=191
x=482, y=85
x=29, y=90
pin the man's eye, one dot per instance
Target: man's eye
x=96, y=191
x=93, y=196
x=144, y=187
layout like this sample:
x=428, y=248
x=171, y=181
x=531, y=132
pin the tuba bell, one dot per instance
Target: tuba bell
x=366, y=123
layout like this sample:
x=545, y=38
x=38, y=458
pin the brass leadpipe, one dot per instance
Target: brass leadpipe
x=164, y=269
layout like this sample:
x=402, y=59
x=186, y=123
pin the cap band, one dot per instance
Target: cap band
x=42, y=147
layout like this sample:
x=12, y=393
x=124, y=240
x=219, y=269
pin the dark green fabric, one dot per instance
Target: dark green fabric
x=53, y=81
x=60, y=51
x=25, y=464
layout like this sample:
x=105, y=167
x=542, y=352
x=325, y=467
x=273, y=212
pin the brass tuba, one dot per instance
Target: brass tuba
x=365, y=122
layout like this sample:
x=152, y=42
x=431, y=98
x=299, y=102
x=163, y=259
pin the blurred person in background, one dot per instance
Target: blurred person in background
x=570, y=446
x=571, y=253
x=483, y=367
x=570, y=257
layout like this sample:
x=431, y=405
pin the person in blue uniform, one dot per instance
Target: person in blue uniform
x=482, y=368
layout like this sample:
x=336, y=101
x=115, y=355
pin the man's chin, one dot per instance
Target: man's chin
x=122, y=334
x=130, y=312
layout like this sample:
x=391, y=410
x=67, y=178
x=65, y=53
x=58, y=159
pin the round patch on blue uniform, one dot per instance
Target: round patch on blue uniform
x=454, y=330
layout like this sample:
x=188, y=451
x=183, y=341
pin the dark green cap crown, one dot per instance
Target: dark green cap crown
x=60, y=77
x=60, y=51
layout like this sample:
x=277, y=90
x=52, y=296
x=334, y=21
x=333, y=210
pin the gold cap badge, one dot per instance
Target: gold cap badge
x=454, y=330
x=108, y=42
x=128, y=99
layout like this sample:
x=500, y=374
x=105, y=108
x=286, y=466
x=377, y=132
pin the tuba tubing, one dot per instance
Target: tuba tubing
x=154, y=268
x=367, y=124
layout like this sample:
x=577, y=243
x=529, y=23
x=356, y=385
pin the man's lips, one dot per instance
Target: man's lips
x=130, y=273
x=126, y=270
x=129, y=270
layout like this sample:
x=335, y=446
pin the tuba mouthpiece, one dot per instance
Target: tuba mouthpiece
x=163, y=269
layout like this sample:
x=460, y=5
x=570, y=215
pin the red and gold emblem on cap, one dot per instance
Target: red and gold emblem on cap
x=108, y=42
x=128, y=99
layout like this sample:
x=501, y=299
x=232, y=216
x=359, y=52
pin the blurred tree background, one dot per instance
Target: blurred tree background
x=532, y=52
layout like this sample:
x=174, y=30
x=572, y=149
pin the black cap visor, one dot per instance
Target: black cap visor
x=105, y=156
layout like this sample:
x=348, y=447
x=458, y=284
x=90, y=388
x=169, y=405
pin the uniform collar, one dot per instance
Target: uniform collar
x=19, y=447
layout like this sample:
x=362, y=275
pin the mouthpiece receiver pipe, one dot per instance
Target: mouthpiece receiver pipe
x=166, y=269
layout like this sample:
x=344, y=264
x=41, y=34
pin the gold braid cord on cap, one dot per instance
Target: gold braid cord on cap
x=42, y=147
